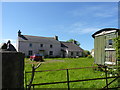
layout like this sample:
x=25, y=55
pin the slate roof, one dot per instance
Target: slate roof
x=51, y=40
x=30, y=38
x=70, y=46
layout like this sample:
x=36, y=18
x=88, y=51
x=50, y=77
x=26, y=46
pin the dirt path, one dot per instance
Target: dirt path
x=55, y=61
x=47, y=61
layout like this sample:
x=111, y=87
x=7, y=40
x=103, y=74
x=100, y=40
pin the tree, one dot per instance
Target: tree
x=86, y=53
x=72, y=40
x=117, y=46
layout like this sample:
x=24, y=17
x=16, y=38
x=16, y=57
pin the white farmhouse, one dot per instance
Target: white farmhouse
x=47, y=46
x=92, y=52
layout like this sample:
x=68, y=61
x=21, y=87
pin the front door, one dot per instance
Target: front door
x=41, y=52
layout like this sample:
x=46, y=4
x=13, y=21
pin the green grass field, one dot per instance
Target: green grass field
x=76, y=74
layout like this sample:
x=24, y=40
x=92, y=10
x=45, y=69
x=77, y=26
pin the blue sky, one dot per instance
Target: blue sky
x=76, y=20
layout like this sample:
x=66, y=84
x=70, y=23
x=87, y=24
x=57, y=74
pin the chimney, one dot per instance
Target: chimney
x=74, y=42
x=19, y=33
x=56, y=38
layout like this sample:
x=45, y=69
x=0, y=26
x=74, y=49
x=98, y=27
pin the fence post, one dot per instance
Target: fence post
x=33, y=87
x=106, y=76
x=68, y=79
x=25, y=80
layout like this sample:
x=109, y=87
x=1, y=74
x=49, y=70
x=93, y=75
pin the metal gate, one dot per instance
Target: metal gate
x=69, y=81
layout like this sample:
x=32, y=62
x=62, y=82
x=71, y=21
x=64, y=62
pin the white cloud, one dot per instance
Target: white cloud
x=103, y=11
x=82, y=28
x=107, y=13
x=85, y=30
x=85, y=27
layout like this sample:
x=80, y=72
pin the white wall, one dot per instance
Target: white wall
x=24, y=47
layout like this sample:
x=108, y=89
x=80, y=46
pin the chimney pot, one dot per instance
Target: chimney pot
x=19, y=33
x=56, y=38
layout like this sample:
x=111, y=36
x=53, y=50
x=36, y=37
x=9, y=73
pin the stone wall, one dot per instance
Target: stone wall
x=24, y=47
x=12, y=69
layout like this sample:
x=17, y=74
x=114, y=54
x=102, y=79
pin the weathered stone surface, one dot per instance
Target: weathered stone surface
x=12, y=69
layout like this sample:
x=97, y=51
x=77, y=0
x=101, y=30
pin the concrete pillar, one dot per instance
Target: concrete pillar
x=12, y=69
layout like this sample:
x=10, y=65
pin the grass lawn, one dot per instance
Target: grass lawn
x=76, y=74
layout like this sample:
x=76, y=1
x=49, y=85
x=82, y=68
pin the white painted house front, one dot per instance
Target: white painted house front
x=46, y=46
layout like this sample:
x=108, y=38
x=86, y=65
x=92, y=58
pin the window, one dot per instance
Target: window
x=77, y=53
x=71, y=53
x=30, y=52
x=110, y=42
x=51, y=53
x=30, y=45
x=41, y=45
x=51, y=46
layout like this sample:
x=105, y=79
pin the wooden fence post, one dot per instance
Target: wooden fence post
x=68, y=80
x=25, y=81
x=106, y=76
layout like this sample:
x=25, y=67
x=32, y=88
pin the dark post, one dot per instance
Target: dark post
x=106, y=76
x=68, y=79
x=25, y=80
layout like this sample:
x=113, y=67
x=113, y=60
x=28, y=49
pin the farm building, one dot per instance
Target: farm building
x=92, y=52
x=47, y=46
x=104, y=52
x=69, y=49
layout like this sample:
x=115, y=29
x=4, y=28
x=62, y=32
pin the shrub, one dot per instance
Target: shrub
x=89, y=56
x=27, y=56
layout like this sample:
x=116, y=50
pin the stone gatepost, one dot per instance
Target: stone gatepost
x=12, y=69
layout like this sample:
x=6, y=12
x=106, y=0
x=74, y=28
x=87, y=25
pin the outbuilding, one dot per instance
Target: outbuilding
x=104, y=51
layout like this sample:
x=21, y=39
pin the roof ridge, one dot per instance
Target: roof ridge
x=65, y=42
x=38, y=36
x=104, y=29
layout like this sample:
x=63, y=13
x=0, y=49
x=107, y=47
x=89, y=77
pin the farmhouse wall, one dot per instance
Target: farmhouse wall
x=74, y=53
x=24, y=47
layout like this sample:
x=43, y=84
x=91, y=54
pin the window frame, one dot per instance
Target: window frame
x=110, y=42
x=77, y=53
x=72, y=53
x=51, y=46
x=41, y=45
x=30, y=44
x=30, y=52
x=50, y=53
